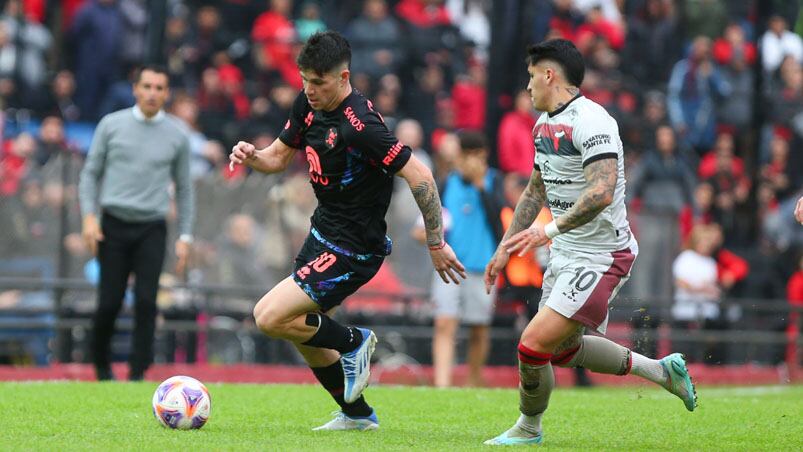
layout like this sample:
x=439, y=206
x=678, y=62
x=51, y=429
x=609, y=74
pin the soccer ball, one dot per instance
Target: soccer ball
x=182, y=402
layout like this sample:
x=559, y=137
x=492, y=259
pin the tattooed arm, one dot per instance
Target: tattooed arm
x=530, y=203
x=601, y=176
x=520, y=233
x=425, y=192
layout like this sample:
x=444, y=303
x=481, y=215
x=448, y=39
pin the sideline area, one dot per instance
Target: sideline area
x=498, y=376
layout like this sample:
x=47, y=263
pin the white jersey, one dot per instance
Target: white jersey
x=566, y=140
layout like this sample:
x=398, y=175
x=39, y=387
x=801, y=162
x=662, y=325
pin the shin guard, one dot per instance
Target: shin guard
x=536, y=381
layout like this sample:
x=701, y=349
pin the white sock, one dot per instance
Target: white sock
x=529, y=425
x=651, y=369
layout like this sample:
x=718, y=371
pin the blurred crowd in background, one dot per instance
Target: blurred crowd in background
x=708, y=95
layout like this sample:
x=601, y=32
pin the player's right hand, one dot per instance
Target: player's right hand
x=447, y=264
x=495, y=265
x=92, y=233
x=526, y=240
x=241, y=152
x=799, y=210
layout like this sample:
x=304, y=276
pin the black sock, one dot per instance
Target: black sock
x=332, y=335
x=331, y=377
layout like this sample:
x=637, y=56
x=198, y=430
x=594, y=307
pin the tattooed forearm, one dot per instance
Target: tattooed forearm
x=530, y=203
x=601, y=176
x=426, y=195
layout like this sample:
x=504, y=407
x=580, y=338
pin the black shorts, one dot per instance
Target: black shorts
x=329, y=274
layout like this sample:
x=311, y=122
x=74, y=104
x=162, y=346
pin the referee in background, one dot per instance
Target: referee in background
x=124, y=194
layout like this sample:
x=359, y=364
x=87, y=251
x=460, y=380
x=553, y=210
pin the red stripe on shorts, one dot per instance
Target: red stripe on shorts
x=595, y=309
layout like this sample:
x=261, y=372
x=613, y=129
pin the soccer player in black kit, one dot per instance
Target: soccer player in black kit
x=352, y=160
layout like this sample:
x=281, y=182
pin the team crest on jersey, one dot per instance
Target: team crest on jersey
x=554, y=139
x=331, y=138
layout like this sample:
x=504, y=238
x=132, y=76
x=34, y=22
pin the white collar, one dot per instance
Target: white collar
x=140, y=116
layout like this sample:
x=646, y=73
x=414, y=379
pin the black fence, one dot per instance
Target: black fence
x=213, y=323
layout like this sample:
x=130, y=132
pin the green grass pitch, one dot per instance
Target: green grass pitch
x=117, y=416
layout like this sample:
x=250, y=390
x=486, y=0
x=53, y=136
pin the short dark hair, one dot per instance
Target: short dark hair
x=323, y=52
x=564, y=53
x=157, y=68
x=472, y=141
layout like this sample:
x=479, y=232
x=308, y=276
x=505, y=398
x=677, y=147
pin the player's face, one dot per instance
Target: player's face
x=324, y=91
x=537, y=87
x=151, y=92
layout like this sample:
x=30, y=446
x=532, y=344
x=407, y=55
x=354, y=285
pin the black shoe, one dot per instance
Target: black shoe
x=104, y=374
x=135, y=374
x=584, y=382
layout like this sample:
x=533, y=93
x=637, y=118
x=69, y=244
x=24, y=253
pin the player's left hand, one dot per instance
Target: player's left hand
x=799, y=210
x=526, y=240
x=446, y=264
x=182, y=255
x=494, y=267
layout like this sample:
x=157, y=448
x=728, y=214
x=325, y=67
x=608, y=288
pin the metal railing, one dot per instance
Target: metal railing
x=764, y=323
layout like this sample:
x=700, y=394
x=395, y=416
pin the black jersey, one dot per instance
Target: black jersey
x=352, y=159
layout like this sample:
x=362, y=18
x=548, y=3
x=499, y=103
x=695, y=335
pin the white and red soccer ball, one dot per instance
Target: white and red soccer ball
x=182, y=403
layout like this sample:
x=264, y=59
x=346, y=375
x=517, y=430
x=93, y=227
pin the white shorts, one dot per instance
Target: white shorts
x=580, y=286
x=466, y=301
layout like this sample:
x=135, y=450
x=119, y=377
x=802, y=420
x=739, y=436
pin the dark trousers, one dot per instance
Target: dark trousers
x=137, y=248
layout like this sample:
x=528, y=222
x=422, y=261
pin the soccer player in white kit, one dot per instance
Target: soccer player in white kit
x=579, y=173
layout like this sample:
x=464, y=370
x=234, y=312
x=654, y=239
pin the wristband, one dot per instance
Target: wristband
x=438, y=247
x=551, y=229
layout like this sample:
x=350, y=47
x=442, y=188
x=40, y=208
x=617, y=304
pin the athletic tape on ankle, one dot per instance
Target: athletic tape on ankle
x=313, y=319
x=629, y=363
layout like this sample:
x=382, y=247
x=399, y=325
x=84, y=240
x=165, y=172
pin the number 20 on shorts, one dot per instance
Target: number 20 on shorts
x=319, y=264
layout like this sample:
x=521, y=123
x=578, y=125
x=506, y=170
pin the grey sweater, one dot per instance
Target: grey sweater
x=131, y=163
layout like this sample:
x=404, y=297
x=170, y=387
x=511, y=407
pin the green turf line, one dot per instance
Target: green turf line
x=117, y=416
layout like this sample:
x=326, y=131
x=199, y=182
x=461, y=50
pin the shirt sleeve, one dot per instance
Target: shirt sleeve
x=293, y=132
x=677, y=266
x=93, y=170
x=597, y=138
x=380, y=147
x=185, y=196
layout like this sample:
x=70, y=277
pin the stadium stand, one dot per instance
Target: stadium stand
x=708, y=96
